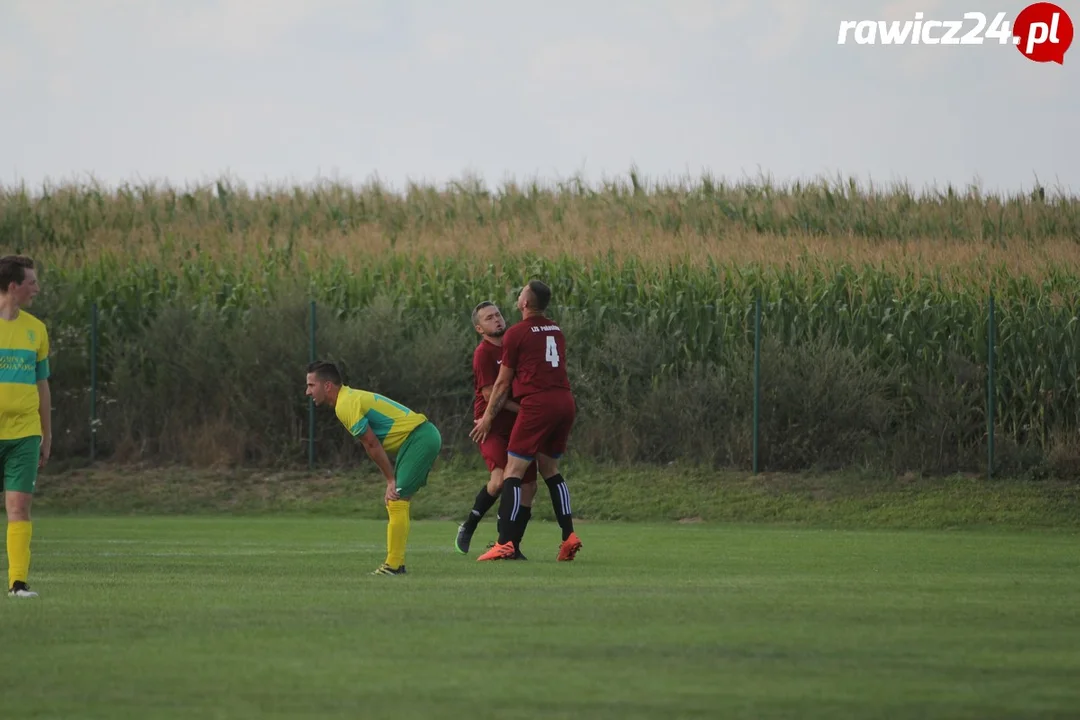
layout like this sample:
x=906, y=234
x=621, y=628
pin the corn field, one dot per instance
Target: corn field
x=874, y=316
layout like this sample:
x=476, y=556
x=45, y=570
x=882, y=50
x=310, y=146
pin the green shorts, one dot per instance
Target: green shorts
x=19, y=463
x=416, y=458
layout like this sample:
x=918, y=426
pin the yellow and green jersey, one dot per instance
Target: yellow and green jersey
x=390, y=421
x=24, y=360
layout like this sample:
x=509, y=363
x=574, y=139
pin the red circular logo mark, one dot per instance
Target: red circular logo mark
x=1043, y=32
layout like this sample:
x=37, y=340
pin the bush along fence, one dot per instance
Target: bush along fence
x=769, y=384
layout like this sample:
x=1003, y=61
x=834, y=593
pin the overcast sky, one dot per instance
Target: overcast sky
x=294, y=90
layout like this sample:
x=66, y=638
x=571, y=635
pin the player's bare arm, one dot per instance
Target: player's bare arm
x=378, y=455
x=509, y=405
x=45, y=411
x=499, y=395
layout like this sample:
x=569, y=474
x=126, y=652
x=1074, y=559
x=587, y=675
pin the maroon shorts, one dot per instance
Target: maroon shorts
x=543, y=425
x=494, y=451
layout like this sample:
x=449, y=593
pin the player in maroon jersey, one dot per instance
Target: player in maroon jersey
x=489, y=323
x=534, y=371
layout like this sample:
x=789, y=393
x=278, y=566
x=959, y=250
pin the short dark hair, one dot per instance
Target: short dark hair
x=325, y=371
x=541, y=292
x=13, y=270
x=478, y=308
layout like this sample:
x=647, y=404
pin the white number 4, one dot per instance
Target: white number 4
x=552, y=354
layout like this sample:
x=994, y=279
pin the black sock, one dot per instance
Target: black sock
x=480, y=507
x=523, y=520
x=509, y=510
x=560, y=501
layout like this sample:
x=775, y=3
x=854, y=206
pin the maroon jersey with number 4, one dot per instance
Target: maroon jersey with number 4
x=536, y=349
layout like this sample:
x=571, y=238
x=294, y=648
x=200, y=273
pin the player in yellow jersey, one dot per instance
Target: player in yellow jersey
x=25, y=411
x=384, y=428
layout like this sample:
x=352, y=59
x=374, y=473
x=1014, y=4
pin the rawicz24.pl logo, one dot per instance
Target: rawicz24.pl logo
x=1042, y=32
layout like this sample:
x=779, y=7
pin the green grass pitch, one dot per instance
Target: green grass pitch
x=277, y=617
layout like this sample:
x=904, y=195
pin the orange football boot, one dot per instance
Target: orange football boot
x=498, y=552
x=569, y=548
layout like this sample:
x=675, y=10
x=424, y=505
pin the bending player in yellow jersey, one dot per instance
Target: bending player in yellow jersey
x=25, y=411
x=385, y=428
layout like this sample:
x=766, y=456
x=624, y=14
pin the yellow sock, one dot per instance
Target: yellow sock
x=18, y=550
x=397, y=532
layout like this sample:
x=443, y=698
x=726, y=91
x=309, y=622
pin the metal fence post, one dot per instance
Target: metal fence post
x=757, y=375
x=93, y=379
x=990, y=393
x=311, y=401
